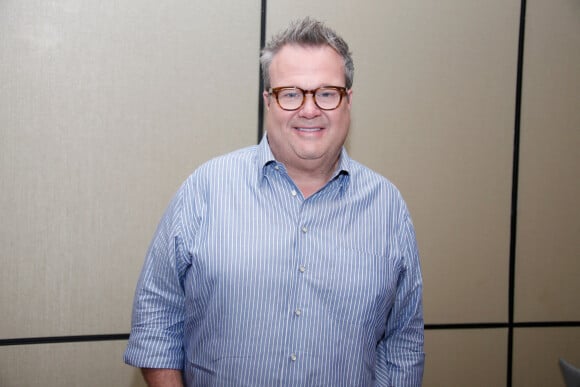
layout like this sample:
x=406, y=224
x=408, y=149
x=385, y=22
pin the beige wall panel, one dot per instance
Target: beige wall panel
x=548, y=246
x=536, y=354
x=433, y=110
x=459, y=358
x=97, y=364
x=105, y=107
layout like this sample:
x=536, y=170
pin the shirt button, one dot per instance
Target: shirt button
x=298, y=312
x=293, y=357
x=304, y=229
x=293, y=192
x=302, y=269
x=276, y=167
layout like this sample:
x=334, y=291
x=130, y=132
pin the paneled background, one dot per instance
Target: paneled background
x=105, y=107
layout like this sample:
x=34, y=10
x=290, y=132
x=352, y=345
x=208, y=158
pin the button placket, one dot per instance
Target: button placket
x=297, y=313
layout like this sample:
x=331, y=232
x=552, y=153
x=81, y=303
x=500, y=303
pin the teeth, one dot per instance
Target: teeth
x=309, y=129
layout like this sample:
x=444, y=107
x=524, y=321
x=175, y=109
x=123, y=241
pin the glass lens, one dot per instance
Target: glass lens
x=327, y=98
x=290, y=98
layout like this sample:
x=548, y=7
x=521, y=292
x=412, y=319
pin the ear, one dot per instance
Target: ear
x=267, y=98
x=349, y=97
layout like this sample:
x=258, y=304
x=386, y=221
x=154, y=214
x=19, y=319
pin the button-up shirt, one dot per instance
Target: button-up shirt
x=247, y=283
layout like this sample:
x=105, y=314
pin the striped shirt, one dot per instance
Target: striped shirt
x=246, y=283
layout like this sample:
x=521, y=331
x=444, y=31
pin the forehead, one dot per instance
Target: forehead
x=307, y=67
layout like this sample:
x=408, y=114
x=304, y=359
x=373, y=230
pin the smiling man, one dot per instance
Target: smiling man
x=285, y=263
x=307, y=134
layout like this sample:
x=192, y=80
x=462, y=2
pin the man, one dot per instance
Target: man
x=285, y=263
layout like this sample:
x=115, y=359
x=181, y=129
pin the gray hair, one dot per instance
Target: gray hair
x=306, y=32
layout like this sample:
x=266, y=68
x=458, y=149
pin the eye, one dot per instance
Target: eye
x=290, y=94
x=327, y=93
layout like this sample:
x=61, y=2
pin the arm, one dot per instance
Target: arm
x=156, y=340
x=400, y=356
x=156, y=377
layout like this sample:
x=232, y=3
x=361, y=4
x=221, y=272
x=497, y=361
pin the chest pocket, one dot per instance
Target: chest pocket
x=357, y=287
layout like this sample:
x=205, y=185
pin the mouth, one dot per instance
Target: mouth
x=308, y=130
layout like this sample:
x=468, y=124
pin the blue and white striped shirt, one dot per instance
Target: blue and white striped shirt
x=246, y=283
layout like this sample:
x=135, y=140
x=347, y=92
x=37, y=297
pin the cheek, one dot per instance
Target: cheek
x=275, y=120
x=342, y=120
x=281, y=118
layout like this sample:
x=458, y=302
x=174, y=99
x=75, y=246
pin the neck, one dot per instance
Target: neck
x=311, y=180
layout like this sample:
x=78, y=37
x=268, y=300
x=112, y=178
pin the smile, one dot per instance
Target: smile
x=309, y=129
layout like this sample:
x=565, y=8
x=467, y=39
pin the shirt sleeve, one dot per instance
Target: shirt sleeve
x=156, y=338
x=400, y=355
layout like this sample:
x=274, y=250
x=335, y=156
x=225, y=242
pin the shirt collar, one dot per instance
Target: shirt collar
x=265, y=157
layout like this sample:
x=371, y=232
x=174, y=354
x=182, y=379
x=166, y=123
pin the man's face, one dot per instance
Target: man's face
x=309, y=137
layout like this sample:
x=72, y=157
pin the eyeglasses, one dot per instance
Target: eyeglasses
x=292, y=98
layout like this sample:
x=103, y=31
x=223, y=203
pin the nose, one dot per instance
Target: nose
x=309, y=109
